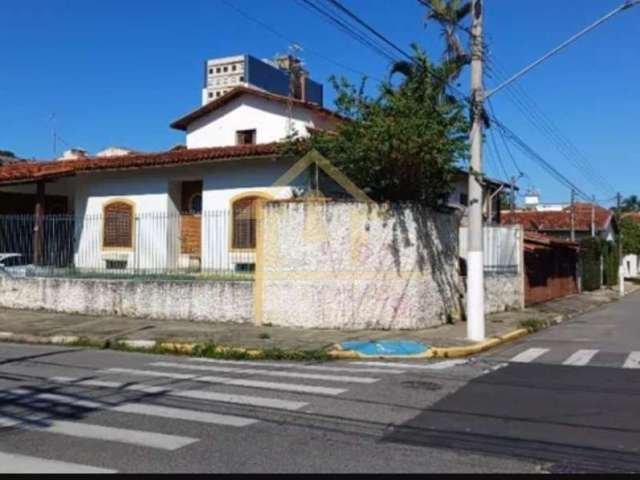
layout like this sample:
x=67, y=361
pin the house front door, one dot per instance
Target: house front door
x=191, y=222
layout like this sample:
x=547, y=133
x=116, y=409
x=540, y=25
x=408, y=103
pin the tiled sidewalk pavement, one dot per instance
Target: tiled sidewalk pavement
x=249, y=336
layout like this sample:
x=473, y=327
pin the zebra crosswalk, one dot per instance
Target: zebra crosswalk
x=578, y=358
x=140, y=406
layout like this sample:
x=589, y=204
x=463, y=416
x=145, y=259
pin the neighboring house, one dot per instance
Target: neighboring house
x=631, y=262
x=7, y=158
x=557, y=222
x=459, y=197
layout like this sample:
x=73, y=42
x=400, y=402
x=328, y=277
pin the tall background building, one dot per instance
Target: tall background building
x=284, y=75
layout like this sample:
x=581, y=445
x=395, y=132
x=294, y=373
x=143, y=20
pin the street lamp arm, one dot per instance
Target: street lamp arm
x=626, y=5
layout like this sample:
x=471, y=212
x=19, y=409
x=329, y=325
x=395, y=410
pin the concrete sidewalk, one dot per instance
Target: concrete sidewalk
x=40, y=325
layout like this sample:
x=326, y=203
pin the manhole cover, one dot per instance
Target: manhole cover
x=429, y=386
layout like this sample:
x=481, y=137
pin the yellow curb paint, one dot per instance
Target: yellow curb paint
x=456, y=352
x=438, y=352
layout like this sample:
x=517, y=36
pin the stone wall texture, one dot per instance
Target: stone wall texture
x=354, y=265
x=503, y=291
x=163, y=300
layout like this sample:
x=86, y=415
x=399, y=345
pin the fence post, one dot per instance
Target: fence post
x=258, y=284
x=38, y=227
x=521, y=266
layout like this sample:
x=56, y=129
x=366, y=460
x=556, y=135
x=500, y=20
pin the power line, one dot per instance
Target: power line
x=348, y=29
x=289, y=40
x=517, y=141
x=534, y=114
x=506, y=145
x=373, y=44
x=379, y=35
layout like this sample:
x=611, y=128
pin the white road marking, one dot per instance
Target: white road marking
x=289, y=387
x=13, y=463
x=529, y=355
x=274, y=403
x=327, y=368
x=145, y=409
x=580, y=358
x=632, y=361
x=417, y=366
x=266, y=373
x=160, y=441
x=446, y=364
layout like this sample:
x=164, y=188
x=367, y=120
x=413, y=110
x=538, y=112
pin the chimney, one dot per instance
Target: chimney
x=303, y=86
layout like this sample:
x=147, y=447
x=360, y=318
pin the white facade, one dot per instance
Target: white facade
x=155, y=196
x=223, y=74
x=269, y=118
x=631, y=265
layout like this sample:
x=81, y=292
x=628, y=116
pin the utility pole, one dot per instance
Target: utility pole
x=573, y=215
x=475, y=261
x=593, y=215
x=620, y=264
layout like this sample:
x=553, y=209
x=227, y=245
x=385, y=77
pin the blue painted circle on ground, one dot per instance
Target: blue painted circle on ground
x=386, y=347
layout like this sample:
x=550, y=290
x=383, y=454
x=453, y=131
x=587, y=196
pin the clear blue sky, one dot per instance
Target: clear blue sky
x=118, y=72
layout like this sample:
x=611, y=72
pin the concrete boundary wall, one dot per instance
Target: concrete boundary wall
x=350, y=265
x=223, y=301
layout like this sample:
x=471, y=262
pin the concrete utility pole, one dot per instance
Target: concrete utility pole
x=475, y=261
x=620, y=263
x=573, y=215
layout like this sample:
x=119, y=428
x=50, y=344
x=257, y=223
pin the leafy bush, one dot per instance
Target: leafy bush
x=590, y=254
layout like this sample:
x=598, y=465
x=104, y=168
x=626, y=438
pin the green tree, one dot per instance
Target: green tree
x=449, y=15
x=402, y=144
x=631, y=204
x=630, y=229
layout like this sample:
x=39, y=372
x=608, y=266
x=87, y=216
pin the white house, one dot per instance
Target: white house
x=190, y=207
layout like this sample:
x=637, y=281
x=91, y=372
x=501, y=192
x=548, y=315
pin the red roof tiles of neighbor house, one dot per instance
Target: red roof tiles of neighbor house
x=542, y=239
x=183, y=122
x=632, y=215
x=32, y=171
x=547, y=221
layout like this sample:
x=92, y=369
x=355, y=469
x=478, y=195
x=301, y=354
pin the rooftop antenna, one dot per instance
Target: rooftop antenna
x=54, y=133
x=293, y=52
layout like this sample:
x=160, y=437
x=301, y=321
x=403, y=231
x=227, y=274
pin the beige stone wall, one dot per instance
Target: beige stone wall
x=503, y=291
x=163, y=300
x=355, y=265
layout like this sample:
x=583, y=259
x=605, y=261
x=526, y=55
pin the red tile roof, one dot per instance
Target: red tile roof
x=549, y=221
x=183, y=122
x=31, y=171
x=536, y=238
x=632, y=215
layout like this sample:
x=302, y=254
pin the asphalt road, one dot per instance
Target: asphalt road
x=564, y=400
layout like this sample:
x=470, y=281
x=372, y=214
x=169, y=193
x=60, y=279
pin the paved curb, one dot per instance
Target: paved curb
x=140, y=345
x=438, y=352
x=337, y=352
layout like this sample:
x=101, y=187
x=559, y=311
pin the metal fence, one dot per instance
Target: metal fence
x=502, y=247
x=210, y=245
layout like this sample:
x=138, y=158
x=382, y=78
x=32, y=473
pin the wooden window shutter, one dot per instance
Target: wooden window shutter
x=244, y=223
x=118, y=225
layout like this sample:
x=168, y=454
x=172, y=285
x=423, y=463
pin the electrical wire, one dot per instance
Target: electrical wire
x=289, y=40
x=534, y=114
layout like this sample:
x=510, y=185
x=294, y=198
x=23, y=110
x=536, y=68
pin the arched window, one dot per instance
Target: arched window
x=243, y=230
x=117, y=228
